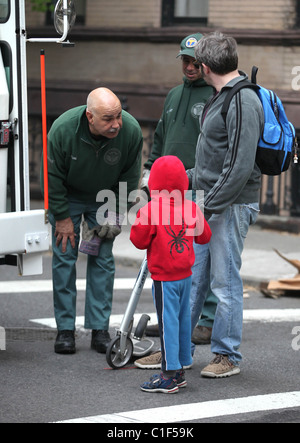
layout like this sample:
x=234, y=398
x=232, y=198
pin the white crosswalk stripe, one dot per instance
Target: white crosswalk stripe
x=25, y=286
x=199, y=411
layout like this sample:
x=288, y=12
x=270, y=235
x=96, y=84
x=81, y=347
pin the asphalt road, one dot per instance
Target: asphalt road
x=39, y=386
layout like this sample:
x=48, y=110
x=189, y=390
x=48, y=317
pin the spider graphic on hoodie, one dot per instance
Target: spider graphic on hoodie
x=179, y=242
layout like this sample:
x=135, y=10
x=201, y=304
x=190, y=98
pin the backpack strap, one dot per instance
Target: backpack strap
x=254, y=74
x=234, y=90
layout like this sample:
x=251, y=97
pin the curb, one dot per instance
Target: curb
x=29, y=334
x=35, y=334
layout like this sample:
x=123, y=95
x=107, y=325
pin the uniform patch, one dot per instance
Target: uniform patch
x=191, y=42
x=197, y=109
x=112, y=156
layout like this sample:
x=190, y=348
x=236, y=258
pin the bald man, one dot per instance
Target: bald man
x=91, y=149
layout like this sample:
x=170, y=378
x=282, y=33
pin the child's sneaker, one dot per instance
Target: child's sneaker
x=158, y=384
x=180, y=379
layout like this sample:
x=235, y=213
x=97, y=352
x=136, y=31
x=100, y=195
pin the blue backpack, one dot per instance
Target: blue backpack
x=278, y=140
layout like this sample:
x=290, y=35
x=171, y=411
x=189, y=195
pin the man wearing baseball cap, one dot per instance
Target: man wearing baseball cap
x=178, y=128
x=188, y=44
x=176, y=134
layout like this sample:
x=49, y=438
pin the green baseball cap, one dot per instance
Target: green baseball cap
x=188, y=44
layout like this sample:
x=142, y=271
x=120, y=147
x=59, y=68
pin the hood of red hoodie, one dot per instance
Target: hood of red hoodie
x=168, y=173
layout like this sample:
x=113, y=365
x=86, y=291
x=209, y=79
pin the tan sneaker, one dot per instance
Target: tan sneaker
x=220, y=367
x=152, y=361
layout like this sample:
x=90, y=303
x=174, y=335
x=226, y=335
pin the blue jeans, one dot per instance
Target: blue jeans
x=99, y=276
x=218, y=268
x=207, y=314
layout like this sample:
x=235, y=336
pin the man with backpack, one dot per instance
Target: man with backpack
x=225, y=168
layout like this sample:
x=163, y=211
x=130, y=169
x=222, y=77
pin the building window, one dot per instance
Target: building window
x=80, y=7
x=4, y=10
x=297, y=24
x=183, y=12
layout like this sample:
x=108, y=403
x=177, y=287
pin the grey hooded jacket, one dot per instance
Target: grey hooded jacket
x=225, y=165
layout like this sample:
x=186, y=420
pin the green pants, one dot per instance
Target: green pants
x=209, y=309
x=99, y=276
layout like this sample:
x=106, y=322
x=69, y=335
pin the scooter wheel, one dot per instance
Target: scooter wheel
x=114, y=357
x=141, y=326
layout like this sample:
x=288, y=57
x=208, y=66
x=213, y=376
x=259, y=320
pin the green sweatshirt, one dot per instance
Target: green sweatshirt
x=178, y=128
x=80, y=166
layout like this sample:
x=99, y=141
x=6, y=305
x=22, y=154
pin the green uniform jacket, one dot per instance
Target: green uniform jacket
x=178, y=128
x=80, y=166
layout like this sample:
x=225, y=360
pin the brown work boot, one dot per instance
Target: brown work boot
x=201, y=335
x=220, y=367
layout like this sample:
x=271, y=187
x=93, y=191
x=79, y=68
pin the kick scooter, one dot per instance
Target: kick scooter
x=126, y=344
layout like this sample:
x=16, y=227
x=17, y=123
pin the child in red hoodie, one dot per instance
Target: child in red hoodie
x=167, y=227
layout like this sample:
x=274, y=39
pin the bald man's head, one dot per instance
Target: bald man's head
x=104, y=113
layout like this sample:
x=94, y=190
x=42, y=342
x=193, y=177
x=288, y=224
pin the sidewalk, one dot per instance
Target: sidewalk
x=260, y=262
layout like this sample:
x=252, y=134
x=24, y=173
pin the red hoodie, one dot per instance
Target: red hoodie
x=169, y=223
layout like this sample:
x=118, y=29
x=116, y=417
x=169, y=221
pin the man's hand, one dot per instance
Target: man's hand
x=64, y=230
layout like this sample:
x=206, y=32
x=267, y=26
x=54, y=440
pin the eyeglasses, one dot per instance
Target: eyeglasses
x=197, y=64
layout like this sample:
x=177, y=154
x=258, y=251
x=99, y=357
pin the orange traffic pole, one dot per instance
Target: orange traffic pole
x=44, y=129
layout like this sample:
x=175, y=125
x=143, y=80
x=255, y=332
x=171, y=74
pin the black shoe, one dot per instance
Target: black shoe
x=65, y=342
x=152, y=331
x=100, y=341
